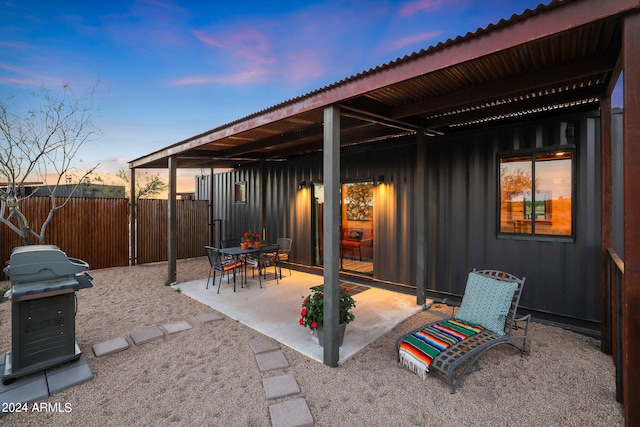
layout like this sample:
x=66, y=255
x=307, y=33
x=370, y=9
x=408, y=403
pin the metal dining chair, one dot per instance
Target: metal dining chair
x=267, y=257
x=220, y=265
x=284, y=252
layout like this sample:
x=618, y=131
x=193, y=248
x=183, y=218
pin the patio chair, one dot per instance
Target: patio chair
x=283, y=255
x=355, y=239
x=220, y=265
x=267, y=257
x=487, y=317
x=230, y=243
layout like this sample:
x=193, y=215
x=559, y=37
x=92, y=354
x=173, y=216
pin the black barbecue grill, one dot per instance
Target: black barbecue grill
x=43, y=285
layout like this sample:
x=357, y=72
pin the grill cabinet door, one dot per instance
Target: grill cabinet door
x=46, y=330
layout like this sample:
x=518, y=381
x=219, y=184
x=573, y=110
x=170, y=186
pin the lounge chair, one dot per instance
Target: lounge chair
x=487, y=317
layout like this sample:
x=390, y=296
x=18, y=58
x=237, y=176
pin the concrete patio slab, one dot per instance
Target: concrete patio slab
x=275, y=311
x=142, y=336
x=280, y=386
x=109, y=347
x=291, y=413
x=259, y=345
x=172, y=328
x=271, y=360
x=208, y=317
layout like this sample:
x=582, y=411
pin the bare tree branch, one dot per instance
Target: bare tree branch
x=147, y=185
x=45, y=138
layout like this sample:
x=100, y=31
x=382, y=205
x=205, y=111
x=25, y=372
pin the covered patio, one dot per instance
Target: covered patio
x=564, y=57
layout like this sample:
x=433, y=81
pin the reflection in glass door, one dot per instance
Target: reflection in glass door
x=356, y=236
x=316, y=223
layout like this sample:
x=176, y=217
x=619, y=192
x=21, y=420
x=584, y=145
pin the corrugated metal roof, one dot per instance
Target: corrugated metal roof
x=557, y=56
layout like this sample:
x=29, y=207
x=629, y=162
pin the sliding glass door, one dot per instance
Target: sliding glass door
x=356, y=231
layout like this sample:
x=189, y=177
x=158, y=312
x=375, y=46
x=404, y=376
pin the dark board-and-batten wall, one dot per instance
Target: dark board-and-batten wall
x=563, y=277
x=460, y=216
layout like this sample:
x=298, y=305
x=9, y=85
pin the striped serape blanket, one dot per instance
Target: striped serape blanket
x=417, y=350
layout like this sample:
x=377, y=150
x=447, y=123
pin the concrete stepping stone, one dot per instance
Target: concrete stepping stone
x=271, y=360
x=27, y=389
x=259, y=345
x=142, y=336
x=66, y=376
x=280, y=386
x=175, y=327
x=109, y=347
x=291, y=413
x=40, y=385
x=208, y=317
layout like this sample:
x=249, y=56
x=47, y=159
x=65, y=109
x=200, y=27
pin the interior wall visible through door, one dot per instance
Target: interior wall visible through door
x=356, y=231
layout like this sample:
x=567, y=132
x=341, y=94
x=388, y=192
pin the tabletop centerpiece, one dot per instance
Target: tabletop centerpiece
x=312, y=314
x=250, y=239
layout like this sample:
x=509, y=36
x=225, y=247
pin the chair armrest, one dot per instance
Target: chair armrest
x=526, y=319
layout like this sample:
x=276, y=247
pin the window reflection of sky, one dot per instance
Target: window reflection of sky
x=554, y=177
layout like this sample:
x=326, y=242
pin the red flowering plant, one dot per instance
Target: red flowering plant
x=251, y=236
x=312, y=313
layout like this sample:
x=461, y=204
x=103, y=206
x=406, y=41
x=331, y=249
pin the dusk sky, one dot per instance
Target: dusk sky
x=168, y=70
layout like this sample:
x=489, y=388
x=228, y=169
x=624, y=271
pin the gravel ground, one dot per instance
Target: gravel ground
x=208, y=376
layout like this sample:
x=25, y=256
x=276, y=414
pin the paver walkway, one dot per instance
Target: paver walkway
x=40, y=385
x=286, y=410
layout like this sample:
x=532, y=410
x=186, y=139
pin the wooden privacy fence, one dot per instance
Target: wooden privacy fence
x=97, y=230
x=193, y=229
x=94, y=230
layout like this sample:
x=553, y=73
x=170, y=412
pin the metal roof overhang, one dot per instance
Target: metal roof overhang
x=560, y=56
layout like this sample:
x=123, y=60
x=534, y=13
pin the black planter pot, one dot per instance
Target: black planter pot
x=341, y=330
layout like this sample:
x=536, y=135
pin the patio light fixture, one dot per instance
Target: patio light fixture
x=302, y=185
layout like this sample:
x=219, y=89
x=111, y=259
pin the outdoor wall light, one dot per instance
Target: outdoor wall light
x=302, y=185
x=568, y=132
x=380, y=180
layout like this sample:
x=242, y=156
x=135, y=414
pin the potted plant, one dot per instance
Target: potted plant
x=251, y=238
x=312, y=313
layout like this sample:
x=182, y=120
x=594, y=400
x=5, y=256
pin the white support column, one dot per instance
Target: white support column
x=331, y=176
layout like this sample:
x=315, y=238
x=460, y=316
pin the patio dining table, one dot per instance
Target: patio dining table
x=236, y=252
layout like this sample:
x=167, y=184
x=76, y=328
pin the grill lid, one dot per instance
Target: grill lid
x=41, y=262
